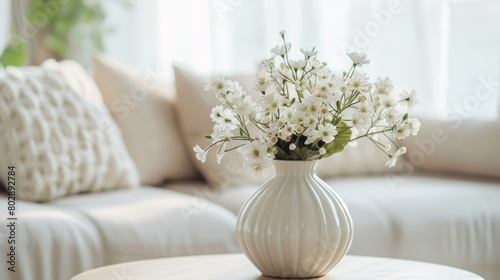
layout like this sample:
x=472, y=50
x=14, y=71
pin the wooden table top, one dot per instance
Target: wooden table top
x=238, y=267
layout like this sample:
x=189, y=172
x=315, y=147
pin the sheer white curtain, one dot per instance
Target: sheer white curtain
x=447, y=50
x=4, y=23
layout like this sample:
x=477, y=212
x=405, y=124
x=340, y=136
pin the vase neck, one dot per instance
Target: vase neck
x=295, y=167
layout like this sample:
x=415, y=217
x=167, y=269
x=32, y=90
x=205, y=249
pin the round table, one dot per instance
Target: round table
x=238, y=267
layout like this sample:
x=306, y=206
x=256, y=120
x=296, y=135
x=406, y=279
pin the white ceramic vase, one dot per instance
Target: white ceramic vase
x=295, y=225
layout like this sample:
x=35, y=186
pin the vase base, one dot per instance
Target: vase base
x=293, y=277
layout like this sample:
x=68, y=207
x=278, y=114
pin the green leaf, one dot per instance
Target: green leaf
x=341, y=139
x=14, y=55
x=56, y=44
x=405, y=117
x=282, y=155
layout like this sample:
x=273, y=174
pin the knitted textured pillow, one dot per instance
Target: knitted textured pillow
x=58, y=142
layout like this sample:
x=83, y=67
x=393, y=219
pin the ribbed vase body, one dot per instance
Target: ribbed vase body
x=295, y=225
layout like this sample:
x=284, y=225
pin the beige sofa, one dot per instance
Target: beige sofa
x=441, y=205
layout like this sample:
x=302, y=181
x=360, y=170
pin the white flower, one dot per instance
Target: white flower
x=310, y=139
x=288, y=114
x=254, y=150
x=282, y=73
x=314, y=65
x=270, y=140
x=383, y=86
x=322, y=151
x=393, y=116
x=309, y=53
x=297, y=64
x=402, y=131
x=276, y=126
x=300, y=118
x=216, y=114
x=269, y=63
x=235, y=92
x=388, y=102
x=201, y=154
x=218, y=84
x=220, y=133
x=394, y=158
x=292, y=147
x=271, y=102
x=413, y=126
x=298, y=129
x=323, y=73
x=377, y=101
x=282, y=33
x=286, y=132
x=358, y=59
x=327, y=132
x=311, y=122
x=258, y=167
x=365, y=107
x=357, y=82
x=360, y=121
x=325, y=91
x=313, y=107
x=229, y=120
x=324, y=112
x=244, y=106
x=281, y=50
x=410, y=98
x=263, y=81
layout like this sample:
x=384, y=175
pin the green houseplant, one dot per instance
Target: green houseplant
x=59, y=25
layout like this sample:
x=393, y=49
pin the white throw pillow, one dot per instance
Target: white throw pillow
x=195, y=106
x=364, y=159
x=59, y=142
x=140, y=105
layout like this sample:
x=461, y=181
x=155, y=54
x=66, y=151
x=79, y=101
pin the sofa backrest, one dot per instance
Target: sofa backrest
x=469, y=147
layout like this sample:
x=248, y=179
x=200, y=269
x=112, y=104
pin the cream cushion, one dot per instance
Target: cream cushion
x=59, y=142
x=150, y=222
x=59, y=239
x=140, y=106
x=436, y=147
x=195, y=106
x=363, y=159
x=51, y=243
x=77, y=78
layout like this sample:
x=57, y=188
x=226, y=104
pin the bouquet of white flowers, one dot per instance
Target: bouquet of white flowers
x=305, y=112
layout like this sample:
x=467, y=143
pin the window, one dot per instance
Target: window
x=447, y=50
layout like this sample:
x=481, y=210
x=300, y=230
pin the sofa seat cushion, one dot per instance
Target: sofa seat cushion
x=448, y=220
x=51, y=243
x=150, y=222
